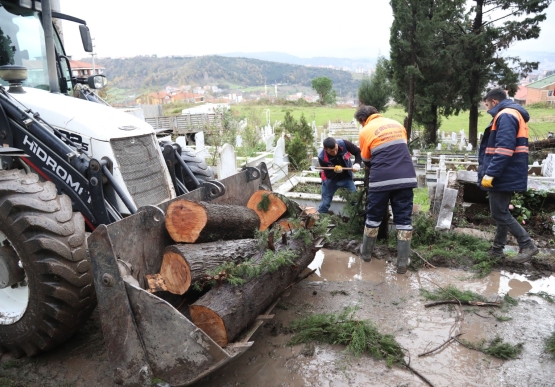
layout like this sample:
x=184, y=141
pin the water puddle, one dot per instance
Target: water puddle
x=394, y=303
x=338, y=266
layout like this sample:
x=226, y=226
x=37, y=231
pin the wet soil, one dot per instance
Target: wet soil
x=390, y=300
x=539, y=266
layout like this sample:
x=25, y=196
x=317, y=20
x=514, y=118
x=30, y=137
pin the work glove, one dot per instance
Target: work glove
x=356, y=167
x=487, y=181
x=338, y=169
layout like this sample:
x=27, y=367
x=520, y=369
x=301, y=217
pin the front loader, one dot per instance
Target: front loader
x=72, y=167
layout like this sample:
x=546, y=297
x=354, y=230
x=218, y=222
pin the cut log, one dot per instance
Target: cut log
x=183, y=265
x=305, y=221
x=190, y=222
x=267, y=206
x=223, y=312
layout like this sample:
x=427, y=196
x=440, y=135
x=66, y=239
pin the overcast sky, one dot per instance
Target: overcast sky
x=305, y=28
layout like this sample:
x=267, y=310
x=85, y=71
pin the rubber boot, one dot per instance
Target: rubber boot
x=403, y=250
x=368, y=243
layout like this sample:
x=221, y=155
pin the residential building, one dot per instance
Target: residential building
x=187, y=97
x=543, y=90
x=520, y=96
x=81, y=69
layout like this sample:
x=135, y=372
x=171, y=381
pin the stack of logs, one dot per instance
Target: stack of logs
x=209, y=235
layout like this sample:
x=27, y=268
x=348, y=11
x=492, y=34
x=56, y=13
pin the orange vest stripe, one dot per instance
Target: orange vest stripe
x=522, y=125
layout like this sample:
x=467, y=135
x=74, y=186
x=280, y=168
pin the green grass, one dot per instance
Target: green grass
x=421, y=198
x=450, y=247
x=542, y=119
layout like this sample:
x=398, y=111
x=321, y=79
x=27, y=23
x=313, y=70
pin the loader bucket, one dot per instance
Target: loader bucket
x=145, y=336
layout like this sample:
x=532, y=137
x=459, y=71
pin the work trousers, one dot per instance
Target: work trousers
x=401, y=205
x=499, y=206
x=329, y=186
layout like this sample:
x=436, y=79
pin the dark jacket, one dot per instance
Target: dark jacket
x=343, y=158
x=503, y=151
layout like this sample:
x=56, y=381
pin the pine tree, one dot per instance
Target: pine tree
x=490, y=27
x=376, y=90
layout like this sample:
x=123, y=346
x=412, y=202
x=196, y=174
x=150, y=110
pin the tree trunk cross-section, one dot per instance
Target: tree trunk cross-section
x=276, y=207
x=186, y=264
x=190, y=222
x=225, y=311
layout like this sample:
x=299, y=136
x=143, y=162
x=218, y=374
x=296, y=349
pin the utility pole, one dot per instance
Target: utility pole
x=93, y=54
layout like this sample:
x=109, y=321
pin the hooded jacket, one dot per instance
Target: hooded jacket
x=503, y=151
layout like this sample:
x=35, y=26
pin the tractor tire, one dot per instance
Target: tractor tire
x=197, y=165
x=50, y=243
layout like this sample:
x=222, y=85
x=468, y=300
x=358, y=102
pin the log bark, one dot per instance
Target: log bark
x=267, y=206
x=183, y=265
x=190, y=222
x=225, y=311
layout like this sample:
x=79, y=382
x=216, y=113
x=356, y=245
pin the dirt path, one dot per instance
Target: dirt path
x=393, y=302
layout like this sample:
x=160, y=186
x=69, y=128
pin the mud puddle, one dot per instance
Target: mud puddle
x=394, y=303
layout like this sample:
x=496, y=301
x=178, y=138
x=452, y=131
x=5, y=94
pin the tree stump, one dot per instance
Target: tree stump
x=190, y=222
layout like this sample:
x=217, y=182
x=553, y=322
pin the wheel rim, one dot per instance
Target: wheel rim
x=13, y=300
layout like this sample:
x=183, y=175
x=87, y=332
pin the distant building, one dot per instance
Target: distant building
x=84, y=69
x=542, y=90
x=187, y=97
x=520, y=96
x=207, y=108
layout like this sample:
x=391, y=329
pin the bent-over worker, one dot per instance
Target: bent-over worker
x=337, y=154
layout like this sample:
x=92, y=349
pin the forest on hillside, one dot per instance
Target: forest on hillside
x=151, y=72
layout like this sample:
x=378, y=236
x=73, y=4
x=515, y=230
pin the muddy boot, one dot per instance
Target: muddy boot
x=368, y=243
x=403, y=250
x=496, y=252
x=525, y=254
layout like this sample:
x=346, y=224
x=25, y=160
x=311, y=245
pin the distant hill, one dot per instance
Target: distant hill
x=151, y=72
x=281, y=57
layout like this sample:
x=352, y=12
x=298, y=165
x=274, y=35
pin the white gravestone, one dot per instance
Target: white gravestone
x=238, y=141
x=548, y=166
x=181, y=141
x=269, y=143
x=279, y=152
x=201, y=150
x=227, y=162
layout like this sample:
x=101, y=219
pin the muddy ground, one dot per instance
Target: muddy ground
x=390, y=300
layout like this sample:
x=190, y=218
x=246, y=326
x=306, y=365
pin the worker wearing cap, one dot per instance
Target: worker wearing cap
x=383, y=146
x=337, y=154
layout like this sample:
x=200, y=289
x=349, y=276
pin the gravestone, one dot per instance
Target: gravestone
x=439, y=146
x=279, y=151
x=548, y=166
x=269, y=141
x=201, y=150
x=199, y=140
x=238, y=141
x=181, y=141
x=227, y=162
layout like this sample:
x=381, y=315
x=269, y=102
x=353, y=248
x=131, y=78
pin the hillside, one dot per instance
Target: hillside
x=143, y=72
x=272, y=56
